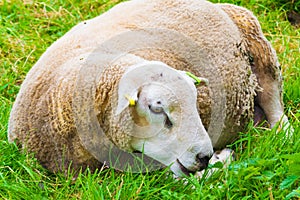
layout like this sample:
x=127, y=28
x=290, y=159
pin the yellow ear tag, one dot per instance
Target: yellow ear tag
x=197, y=79
x=131, y=100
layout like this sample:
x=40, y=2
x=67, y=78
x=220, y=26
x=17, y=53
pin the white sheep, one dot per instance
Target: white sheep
x=125, y=82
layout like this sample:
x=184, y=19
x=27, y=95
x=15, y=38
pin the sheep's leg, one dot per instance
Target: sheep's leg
x=264, y=63
x=270, y=101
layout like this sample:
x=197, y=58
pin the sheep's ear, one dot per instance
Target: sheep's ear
x=126, y=100
x=197, y=80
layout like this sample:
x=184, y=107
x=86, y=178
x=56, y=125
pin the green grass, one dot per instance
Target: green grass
x=267, y=167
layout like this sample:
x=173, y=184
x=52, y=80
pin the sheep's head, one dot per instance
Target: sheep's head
x=166, y=124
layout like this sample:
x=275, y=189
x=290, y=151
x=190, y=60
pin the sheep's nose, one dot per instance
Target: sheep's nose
x=202, y=160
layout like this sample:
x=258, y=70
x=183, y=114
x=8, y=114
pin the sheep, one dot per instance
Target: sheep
x=173, y=80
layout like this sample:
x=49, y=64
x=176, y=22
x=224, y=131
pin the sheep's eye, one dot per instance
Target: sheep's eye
x=156, y=109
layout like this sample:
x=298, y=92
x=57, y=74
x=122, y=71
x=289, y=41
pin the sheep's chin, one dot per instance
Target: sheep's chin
x=180, y=170
x=184, y=169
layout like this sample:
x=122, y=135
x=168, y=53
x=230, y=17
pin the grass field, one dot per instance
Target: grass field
x=267, y=166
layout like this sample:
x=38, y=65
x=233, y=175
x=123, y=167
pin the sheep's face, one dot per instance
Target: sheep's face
x=166, y=124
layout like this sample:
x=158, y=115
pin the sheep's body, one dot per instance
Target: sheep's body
x=42, y=117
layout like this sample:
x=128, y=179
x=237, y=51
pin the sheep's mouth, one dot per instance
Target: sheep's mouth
x=184, y=169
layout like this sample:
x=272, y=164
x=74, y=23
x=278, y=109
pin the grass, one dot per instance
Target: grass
x=267, y=167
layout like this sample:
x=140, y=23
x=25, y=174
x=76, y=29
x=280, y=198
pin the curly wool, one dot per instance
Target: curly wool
x=42, y=117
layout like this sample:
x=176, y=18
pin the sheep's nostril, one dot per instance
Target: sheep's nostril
x=203, y=161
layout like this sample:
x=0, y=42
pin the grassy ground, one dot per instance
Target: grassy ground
x=266, y=166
